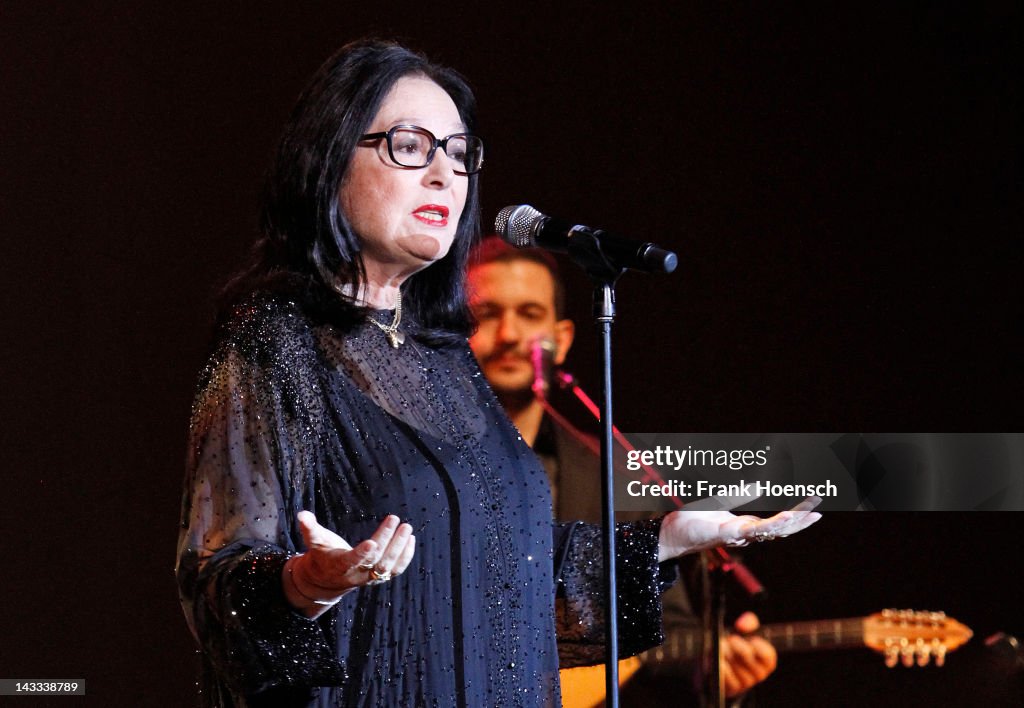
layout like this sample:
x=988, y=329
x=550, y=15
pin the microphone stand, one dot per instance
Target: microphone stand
x=585, y=249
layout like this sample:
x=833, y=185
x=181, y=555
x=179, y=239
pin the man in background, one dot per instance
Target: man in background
x=518, y=301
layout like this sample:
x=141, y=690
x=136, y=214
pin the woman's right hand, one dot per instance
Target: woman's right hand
x=330, y=567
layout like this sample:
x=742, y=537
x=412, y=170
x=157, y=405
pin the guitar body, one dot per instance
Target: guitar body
x=583, y=687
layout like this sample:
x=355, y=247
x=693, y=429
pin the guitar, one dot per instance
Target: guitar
x=901, y=636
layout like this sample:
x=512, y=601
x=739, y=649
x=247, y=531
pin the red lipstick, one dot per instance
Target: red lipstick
x=432, y=214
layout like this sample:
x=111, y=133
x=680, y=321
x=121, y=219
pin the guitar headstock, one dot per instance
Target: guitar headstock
x=914, y=637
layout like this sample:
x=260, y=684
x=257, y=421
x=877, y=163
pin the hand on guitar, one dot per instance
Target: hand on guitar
x=746, y=660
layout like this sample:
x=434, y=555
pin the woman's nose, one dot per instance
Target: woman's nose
x=439, y=173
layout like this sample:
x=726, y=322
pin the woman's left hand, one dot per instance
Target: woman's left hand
x=685, y=532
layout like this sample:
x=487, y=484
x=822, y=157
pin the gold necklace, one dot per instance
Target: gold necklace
x=395, y=337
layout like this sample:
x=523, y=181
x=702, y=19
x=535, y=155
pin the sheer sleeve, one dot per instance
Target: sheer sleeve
x=244, y=484
x=580, y=611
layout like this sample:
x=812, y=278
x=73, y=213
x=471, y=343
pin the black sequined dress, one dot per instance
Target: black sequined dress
x=295, y=413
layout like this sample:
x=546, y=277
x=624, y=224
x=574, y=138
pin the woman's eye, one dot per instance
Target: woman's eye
x=409, y=147
x=457, y=149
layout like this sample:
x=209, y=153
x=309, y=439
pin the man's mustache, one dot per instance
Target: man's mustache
x=507, y=353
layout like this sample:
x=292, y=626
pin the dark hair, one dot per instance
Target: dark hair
x=306, y=238
x=494, y=250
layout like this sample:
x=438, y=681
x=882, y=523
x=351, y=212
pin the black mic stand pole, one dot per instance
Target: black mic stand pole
x=604, y=316
x=585, y=250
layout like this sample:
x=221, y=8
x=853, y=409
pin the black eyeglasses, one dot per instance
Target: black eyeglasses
x=413, y=147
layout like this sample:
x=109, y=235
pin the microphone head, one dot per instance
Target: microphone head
x=514, y=224
x=542, y=356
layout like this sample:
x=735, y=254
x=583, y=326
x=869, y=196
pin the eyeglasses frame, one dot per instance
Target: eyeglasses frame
x=437, y=143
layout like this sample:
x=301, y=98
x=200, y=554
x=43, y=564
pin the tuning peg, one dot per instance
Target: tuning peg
x=907, y=652
x=892, y=653
x=924, y=651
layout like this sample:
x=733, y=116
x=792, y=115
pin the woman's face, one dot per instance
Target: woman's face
x=405, y=218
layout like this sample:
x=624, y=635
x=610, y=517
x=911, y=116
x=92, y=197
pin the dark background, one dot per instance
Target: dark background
x=842, y=185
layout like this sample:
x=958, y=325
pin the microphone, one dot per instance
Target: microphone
x=523, y=226
x=542, y=356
